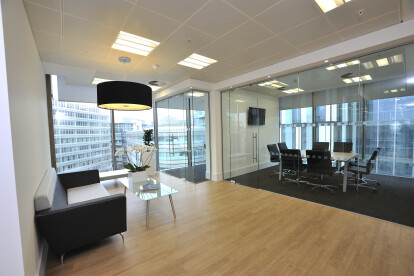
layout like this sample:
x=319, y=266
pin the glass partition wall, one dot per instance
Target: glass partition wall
x=183, y=135
x=367, y=100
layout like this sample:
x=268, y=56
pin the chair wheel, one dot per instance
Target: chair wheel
x=375, y=191
x=378, y=184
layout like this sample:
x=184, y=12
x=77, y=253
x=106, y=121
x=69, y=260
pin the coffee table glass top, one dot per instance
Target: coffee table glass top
x=134, y=187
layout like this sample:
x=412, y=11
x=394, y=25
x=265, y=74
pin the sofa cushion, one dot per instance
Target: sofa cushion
x=44, y=195
x=87, y=192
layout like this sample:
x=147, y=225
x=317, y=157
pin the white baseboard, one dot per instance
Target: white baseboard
x=41, y=266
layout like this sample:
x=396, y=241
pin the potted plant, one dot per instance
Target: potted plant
x=148, y=137
x=137, y=170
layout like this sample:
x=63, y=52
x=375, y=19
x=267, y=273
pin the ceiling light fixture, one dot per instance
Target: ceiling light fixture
x=197, y=61
x=134, y=44
x=273, y=84
x=295, y=90
x=327, y=5
x=382, y=62
x=368, y=65
x=124, y=95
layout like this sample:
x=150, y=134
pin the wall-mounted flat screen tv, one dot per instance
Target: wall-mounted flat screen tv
x=256, y=116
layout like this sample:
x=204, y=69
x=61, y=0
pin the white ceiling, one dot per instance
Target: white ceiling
x=243, y=35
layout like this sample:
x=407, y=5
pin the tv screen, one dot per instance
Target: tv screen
x=256, y=116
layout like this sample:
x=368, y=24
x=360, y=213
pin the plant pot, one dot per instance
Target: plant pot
x=150, y=170
x=138, y=176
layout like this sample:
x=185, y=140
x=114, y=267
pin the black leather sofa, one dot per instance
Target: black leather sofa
x=69, y=226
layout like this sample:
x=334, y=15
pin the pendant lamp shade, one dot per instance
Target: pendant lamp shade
x=124, y=95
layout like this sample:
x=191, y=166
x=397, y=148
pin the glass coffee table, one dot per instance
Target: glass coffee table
x=147, y=195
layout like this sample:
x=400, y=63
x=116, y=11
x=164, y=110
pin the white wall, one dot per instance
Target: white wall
x=29, y=127
x=75, y=93
x=11, y=253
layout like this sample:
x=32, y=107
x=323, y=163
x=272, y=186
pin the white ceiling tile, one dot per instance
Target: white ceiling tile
x=49, y=56
x=145, y=23
x=371, y=26
x=43, y=19
x=218, y=68
x=82, y=62
x=177, y=9
x=107, y=12
x=204, y=76
x=320, y=43
x=216, y=18
x=268, y=47
x=87, y=31
x=47, y=41
x=288, y=14
x=218, y=49
x=240, y=59
x=311, y=30
x=407, y=9
x=284, y=55
x=81, y=48
x=247, y=34
x=252, y=8
x=52, y=4
x=177, y=71
x=347, y=14
x=180, y=39
x=165, y=57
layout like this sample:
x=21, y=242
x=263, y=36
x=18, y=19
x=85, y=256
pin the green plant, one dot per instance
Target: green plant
x=148, y=137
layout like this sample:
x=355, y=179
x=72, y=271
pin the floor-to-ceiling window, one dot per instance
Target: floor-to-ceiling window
x=182, y=132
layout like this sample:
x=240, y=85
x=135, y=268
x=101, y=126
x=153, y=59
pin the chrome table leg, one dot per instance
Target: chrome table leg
x=148, y=215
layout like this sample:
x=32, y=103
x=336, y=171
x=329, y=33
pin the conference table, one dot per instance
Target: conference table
x=335, y=156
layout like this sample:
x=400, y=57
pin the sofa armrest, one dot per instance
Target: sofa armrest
x=76, y=179
x=79, y=224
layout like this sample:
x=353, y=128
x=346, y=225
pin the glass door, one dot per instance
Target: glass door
x=183, y=128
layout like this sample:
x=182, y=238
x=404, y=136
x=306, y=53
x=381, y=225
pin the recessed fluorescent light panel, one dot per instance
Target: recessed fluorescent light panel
x=358, y=79
x=327, y=5
x=295, y=90
x=99, y=80
x=382, y=62
x=195, y=94
x=197, y=61
x=273, y=84
x=342, y=65
x=134, y=44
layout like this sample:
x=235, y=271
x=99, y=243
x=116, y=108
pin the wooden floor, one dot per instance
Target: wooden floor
x=228, y=229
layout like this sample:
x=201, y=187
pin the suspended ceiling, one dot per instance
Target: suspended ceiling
x=243, y=35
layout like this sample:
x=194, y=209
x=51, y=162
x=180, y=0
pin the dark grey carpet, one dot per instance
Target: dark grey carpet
x=394, y=200
x=194, y=174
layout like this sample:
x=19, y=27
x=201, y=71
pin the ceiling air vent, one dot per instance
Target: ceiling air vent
x=158, y=83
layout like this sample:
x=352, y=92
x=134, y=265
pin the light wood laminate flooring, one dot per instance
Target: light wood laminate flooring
x=228, y=229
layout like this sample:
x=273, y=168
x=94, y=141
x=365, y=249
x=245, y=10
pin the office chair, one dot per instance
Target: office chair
x=282, y=146
x=292, y=162
x=274, y=156
x=319, y=162
x=342, y=147
x=360, y=169
x=320, y=146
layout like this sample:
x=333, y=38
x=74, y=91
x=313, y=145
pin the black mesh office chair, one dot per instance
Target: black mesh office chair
x=319, y=162
x=359, y=169
x=320, y=146
x=342, y=147
x=274, y=156
x=292, y=162
x=282, y=146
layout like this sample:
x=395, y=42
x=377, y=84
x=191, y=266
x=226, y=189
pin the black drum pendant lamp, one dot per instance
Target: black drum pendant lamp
x=124, y=95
